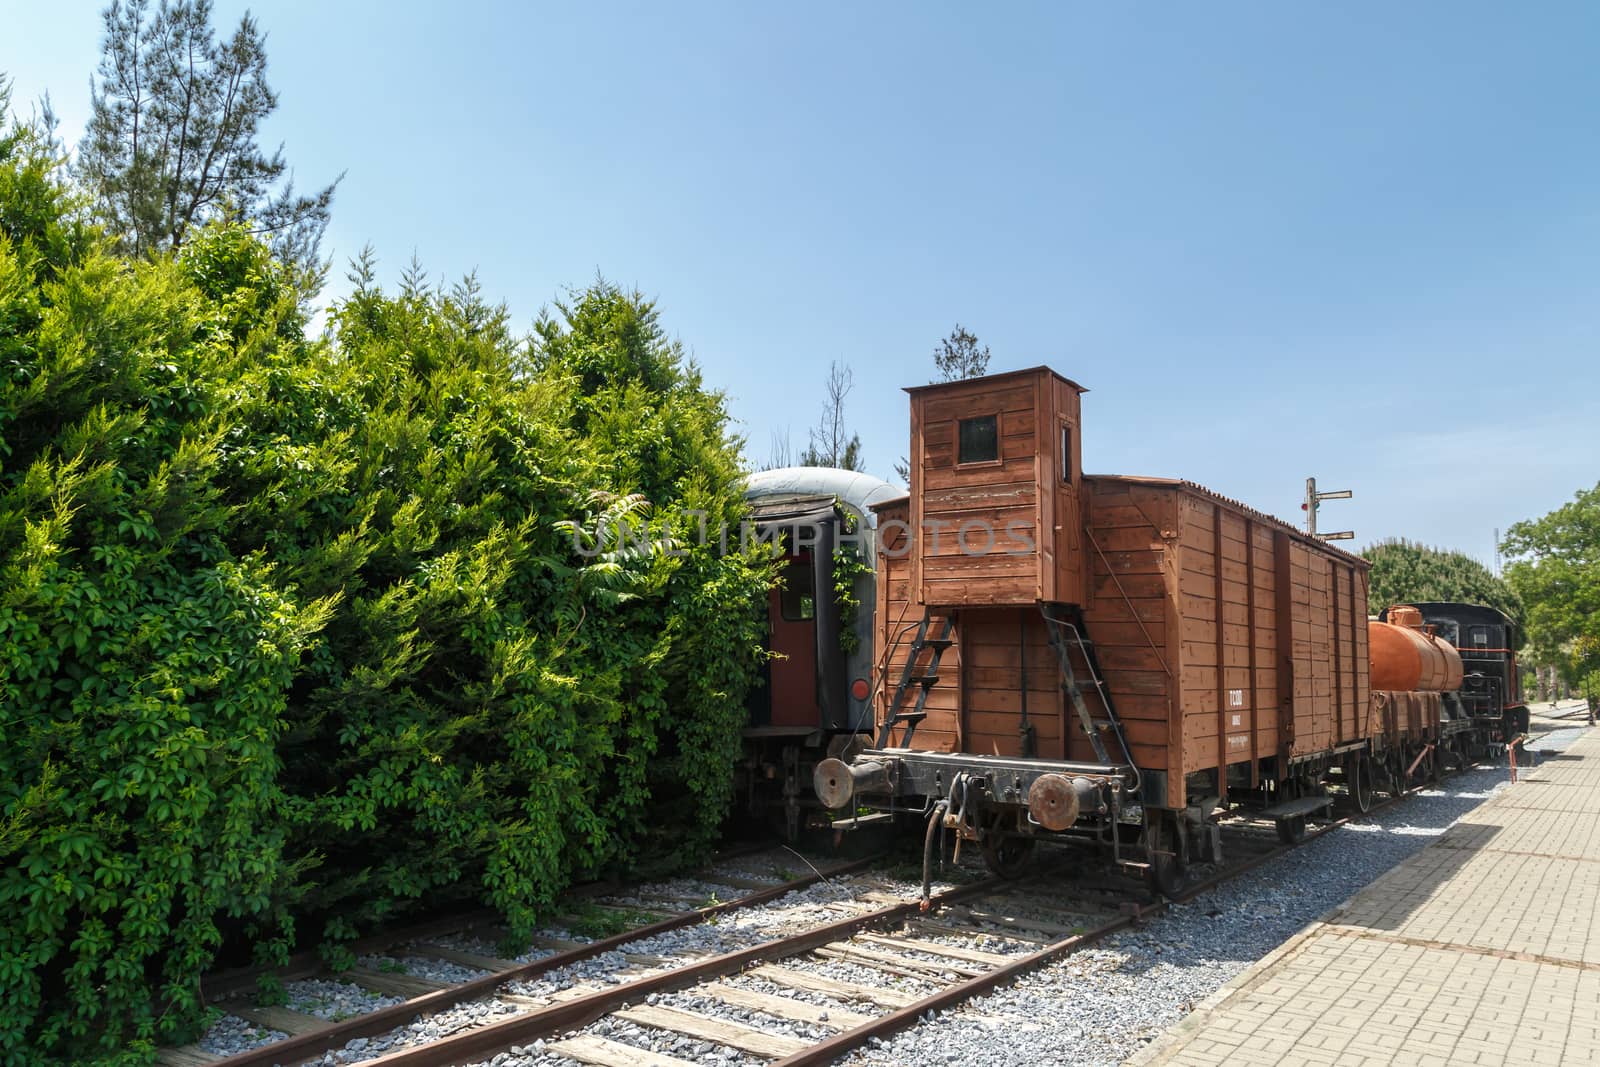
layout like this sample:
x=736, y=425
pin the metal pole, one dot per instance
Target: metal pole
x=1311, y=506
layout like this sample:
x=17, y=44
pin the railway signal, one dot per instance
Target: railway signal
x=1314, y=501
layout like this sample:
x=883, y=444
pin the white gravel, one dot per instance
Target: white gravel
x=804, y=908
x=231, y=1035
x=1100, y=1005
x=422, y=967
x=333, y=1000
x=1095, y=1007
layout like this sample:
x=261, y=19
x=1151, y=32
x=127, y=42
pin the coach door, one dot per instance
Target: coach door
x=792, y=609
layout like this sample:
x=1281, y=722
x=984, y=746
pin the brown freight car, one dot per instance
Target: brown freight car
x=1109, y=658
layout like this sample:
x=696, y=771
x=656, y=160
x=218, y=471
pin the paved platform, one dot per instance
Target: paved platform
x=1483, y=948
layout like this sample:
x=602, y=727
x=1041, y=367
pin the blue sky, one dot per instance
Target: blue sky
x=1356, y=241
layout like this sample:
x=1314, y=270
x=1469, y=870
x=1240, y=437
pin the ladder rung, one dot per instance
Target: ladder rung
x=926, y=679
x=909, y=716
x=936, y=642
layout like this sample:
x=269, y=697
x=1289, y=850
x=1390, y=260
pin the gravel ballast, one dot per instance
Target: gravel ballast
x=1100, y=1005
x=1097, y=1006
x=231, y=1035
x=804, y=908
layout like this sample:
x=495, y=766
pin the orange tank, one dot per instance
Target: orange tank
x=1405, y=657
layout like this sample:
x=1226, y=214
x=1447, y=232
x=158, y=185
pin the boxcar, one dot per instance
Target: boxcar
x=1112, y=659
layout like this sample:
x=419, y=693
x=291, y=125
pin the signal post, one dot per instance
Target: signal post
x=1314, y=501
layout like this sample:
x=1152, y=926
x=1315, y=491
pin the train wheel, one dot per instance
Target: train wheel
x=1292, y=829
x=1162, y=848
x=1360, y=770
x=1007, y=855
x=1397, y=774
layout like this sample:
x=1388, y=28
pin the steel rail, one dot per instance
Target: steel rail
x=484, y=1041
x=237, y=980
x=845, y=1041
x=233, y=981
x=580, y=1011
x=299, y=1048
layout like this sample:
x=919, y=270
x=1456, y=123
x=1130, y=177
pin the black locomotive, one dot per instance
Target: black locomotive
x=1487, y=639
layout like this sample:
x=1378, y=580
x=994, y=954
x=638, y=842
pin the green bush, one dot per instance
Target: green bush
x=297, y=636
x=1404, y=572
x=144, y=669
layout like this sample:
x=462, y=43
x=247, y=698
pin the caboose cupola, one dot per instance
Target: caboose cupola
x=995, y=474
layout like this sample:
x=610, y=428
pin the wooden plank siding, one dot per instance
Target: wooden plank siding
x=1273, y=642
x=1126, y=612
x=996, y=533
x=1008, y=665
x=1226, y=637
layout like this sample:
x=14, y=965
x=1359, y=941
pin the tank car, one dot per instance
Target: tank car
x=813, y=688
x=1415, y=676
x=1490, y=695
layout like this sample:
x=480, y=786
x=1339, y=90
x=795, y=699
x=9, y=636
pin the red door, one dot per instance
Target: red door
x=793, y=611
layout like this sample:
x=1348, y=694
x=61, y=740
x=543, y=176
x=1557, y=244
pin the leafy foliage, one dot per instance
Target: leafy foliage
x=850, y=564
x=1405, y=572
x=1555, y=568
x=144, y=669
x=298, y=636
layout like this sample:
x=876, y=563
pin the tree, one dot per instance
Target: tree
x=958, y=356
x=831, y=444
x=782, y=453
x=1405, y=572
x=296, y=637
x=171, y=142
x=1555, y=567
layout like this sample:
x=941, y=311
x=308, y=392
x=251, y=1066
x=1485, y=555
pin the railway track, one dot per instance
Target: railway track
x=805, y=997
x=308, y=1036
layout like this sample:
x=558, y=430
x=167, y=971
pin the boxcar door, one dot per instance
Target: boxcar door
x=792, y=609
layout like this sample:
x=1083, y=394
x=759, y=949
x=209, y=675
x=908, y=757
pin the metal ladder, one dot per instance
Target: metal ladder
x=1067, y=633
x=923, y=679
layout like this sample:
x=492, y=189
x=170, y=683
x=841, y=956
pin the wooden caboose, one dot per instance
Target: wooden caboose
x=1138, y=639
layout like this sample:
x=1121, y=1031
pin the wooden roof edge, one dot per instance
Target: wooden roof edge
x=1000, y=376
x=1196, y=487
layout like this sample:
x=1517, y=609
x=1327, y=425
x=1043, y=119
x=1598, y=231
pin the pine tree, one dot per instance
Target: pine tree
x=959, y=356
x=172, y=139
